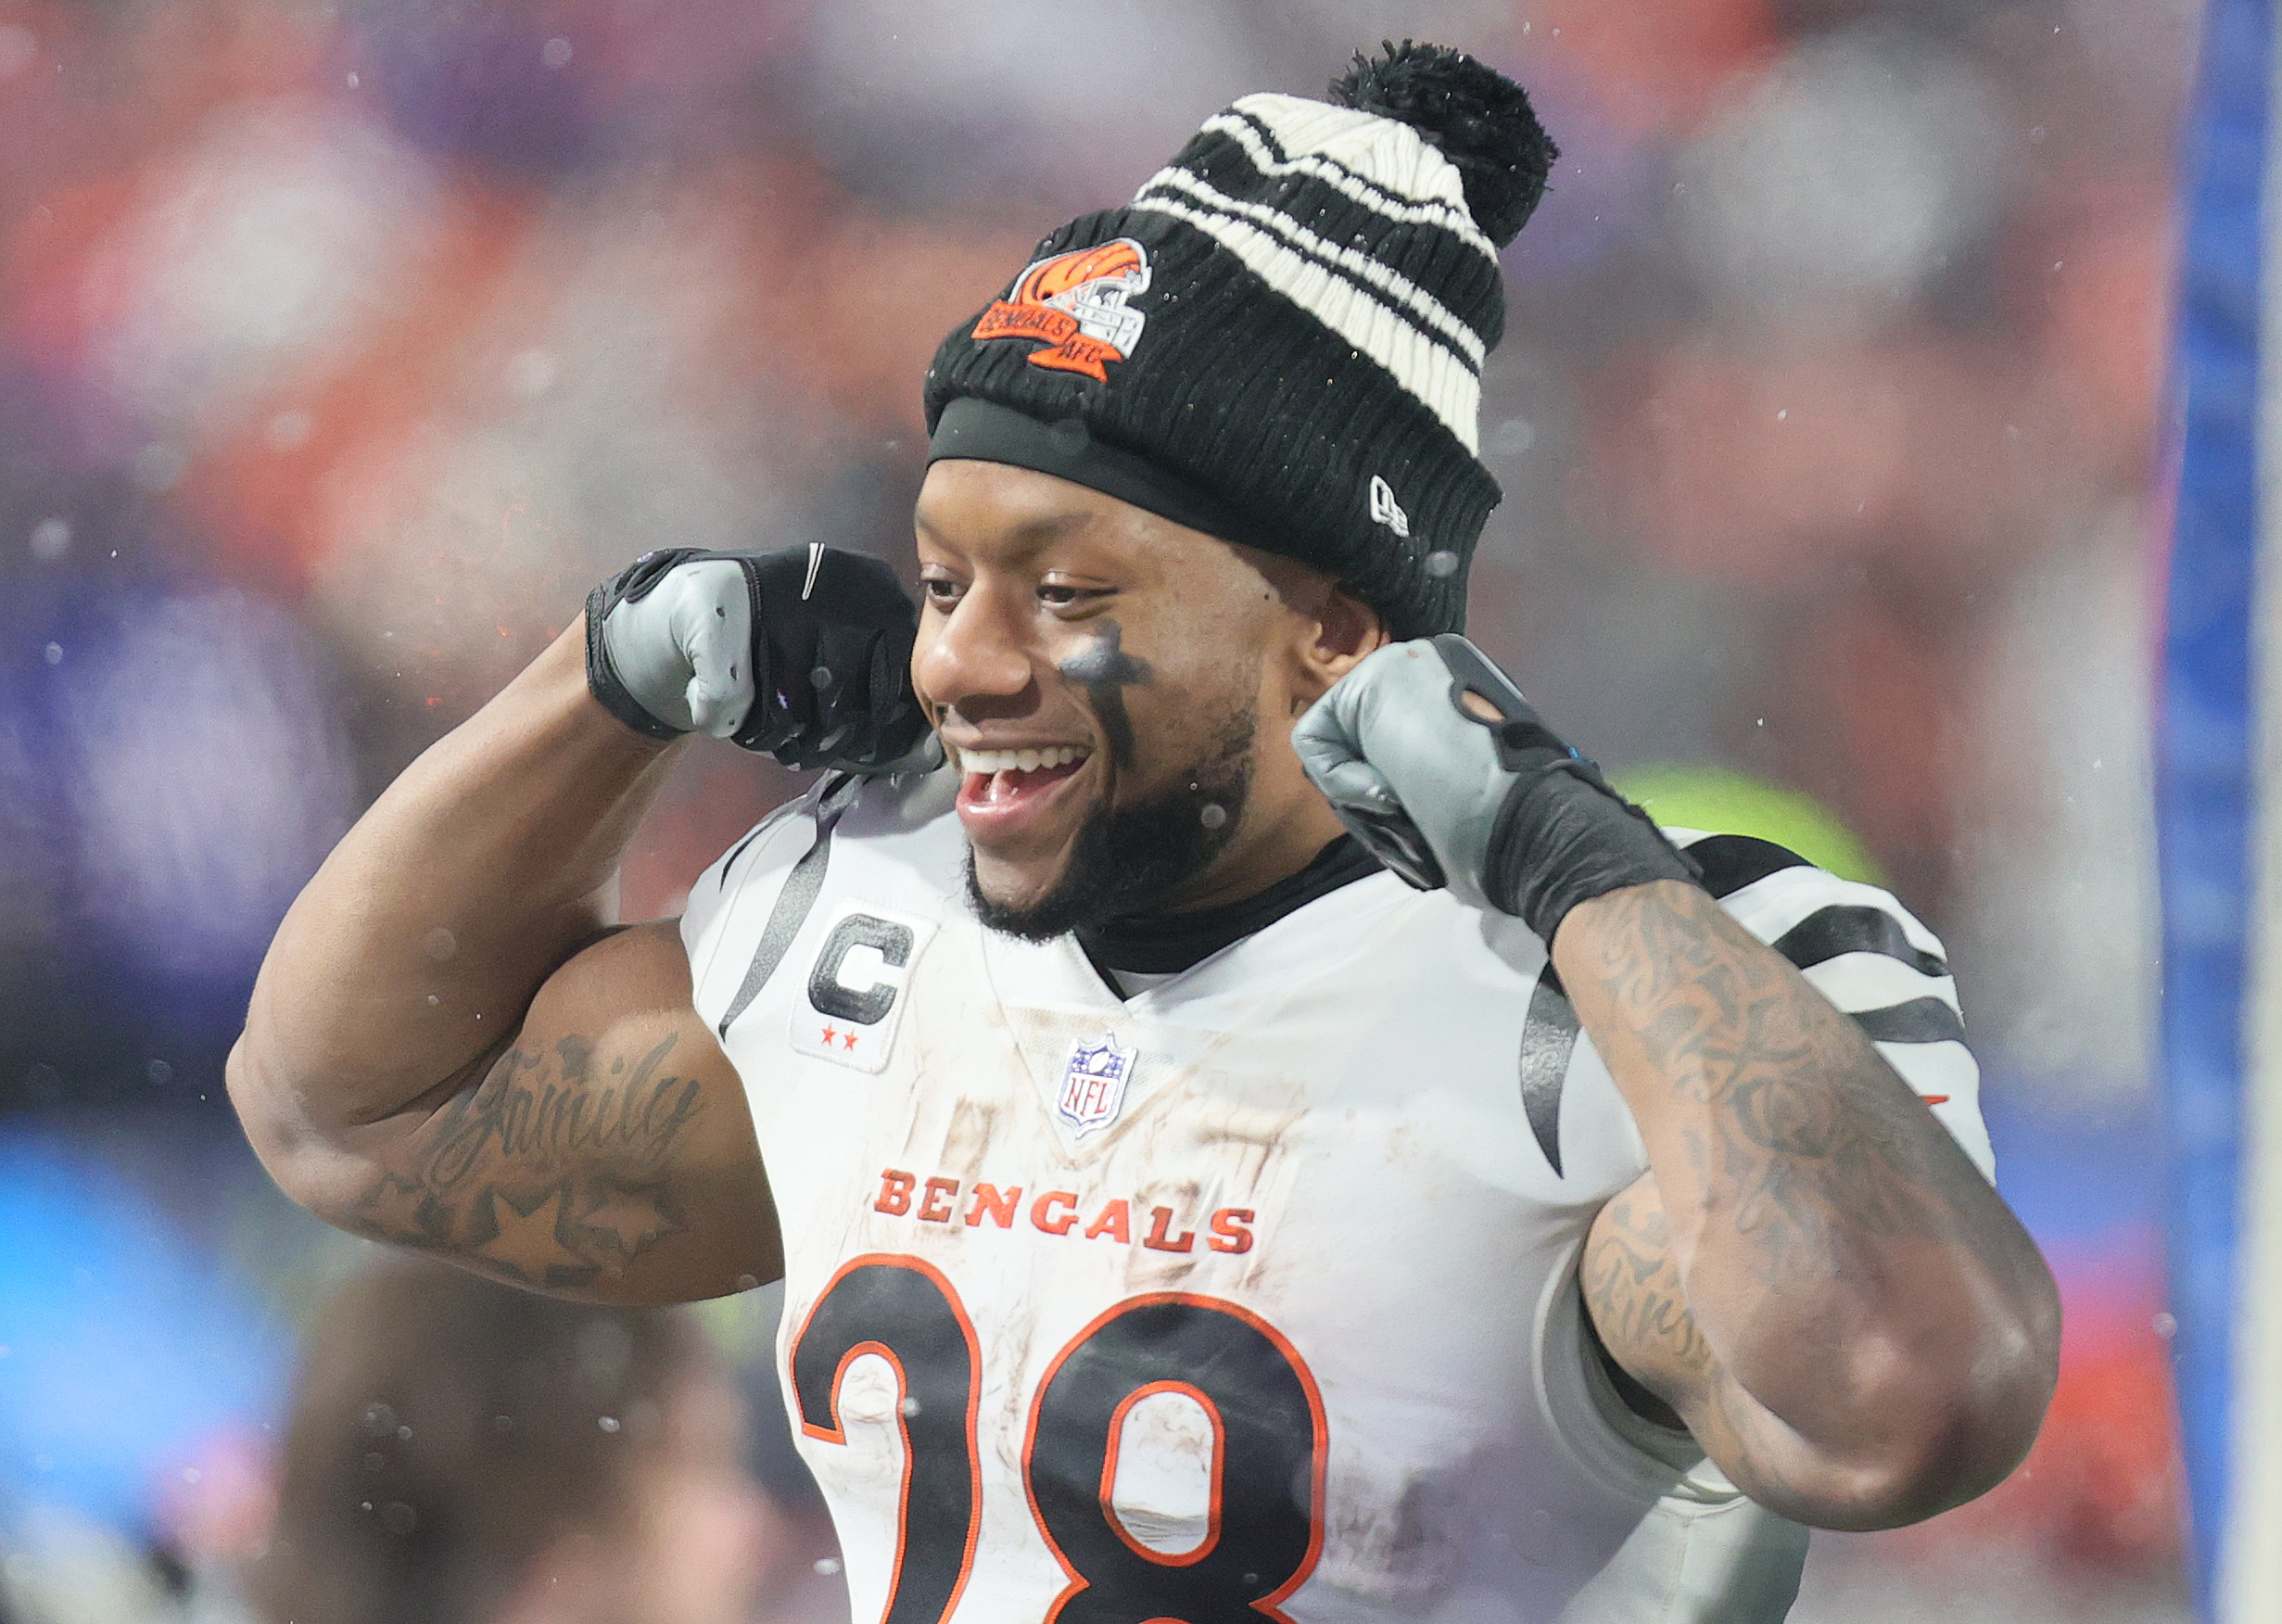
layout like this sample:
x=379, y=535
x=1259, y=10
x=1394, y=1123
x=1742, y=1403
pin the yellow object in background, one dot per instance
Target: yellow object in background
x=1729, y=803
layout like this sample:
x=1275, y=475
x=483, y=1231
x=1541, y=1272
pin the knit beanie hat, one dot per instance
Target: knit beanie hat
x=1279, y=341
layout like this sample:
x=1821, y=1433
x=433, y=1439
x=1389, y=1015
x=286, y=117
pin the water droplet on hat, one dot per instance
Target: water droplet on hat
x=821, y=676
x=1441, y=563
x=1213, y=815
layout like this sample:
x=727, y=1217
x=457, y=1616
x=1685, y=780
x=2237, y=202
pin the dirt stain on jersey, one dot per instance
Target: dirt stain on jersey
x=1390, y=1542
x=967, y=1141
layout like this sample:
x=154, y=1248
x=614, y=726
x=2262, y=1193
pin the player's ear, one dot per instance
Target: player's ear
x=1324, y=632
x=1340, y=632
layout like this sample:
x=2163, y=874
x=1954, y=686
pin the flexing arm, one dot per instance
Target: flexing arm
x=449, y=1049
x=442, y=1053
x=1813, y=1274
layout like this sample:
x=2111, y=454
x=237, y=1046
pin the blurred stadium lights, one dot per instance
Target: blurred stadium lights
x=1845, y=179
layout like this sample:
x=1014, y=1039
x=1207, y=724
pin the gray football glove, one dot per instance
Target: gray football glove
x=1489, y=802
x=804, y=655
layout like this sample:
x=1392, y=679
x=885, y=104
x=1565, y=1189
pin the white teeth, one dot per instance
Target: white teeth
x=1028, y=760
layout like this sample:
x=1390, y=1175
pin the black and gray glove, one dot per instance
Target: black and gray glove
x=804, y=655
x=1488, y=801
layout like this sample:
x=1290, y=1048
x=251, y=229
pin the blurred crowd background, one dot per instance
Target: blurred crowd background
x=343, y=345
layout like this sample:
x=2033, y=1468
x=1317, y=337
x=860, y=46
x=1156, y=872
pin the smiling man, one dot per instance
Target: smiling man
x=1260, y=1130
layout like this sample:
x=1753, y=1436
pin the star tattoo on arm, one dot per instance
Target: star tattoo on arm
x=552, y=1171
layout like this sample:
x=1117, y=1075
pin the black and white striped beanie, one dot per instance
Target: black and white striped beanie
x=1280, y=340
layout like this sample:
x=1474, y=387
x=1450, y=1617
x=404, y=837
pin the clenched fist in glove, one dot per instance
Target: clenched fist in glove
x=804, y=654
x=1430, y=754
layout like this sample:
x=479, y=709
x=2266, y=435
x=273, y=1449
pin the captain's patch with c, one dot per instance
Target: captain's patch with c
x=853, y=998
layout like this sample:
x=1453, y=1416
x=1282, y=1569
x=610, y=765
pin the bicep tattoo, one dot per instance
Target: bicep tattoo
x=550, y=1172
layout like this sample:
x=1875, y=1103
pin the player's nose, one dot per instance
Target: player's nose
x=976, y=654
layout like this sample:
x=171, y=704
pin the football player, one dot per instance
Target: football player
x=1251, y=1125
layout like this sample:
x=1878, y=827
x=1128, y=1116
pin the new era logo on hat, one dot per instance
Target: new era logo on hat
x=1385, y=509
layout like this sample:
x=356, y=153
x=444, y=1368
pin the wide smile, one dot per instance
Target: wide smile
x=1008, y=793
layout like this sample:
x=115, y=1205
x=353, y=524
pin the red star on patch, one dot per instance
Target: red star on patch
x=847, y=1039
x=829, y=1034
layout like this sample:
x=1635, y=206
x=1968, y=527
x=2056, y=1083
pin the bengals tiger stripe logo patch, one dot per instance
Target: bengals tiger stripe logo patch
x=1074, y=304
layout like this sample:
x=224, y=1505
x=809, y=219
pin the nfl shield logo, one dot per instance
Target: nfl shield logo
x=1093, y=1089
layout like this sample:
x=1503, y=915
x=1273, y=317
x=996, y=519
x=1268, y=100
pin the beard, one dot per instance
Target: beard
x=1129, y=860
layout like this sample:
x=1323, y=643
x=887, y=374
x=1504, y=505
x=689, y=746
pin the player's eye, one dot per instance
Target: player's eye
x=942, y=591
x=1063, y=595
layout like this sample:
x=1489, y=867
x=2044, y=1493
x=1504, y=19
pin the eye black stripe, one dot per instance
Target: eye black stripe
x=1919, y=1020
x=1830, y=931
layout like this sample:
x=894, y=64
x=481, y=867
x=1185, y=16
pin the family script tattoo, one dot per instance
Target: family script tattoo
x=550, y=1172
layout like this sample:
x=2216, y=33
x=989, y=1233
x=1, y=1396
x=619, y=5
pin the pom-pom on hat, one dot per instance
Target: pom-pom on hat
x=1280, y=340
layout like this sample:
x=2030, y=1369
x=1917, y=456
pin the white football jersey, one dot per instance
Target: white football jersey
x=1253, y=1295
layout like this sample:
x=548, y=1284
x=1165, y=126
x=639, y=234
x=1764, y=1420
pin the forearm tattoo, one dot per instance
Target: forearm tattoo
x=550, y=1172
x=1639, y=1302
x=1795, y=1131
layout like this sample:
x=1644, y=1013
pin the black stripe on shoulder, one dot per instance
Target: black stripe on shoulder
x=1919, y=1020
x=1548, y=1038
x=1830, y=931
x=760, y=828
x=1730, y=862
x=803, y=885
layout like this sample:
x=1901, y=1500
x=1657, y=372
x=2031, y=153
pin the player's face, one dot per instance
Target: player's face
x=1117, y=692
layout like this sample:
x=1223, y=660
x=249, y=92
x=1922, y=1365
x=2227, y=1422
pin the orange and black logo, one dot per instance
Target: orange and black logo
x=1076, y=305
